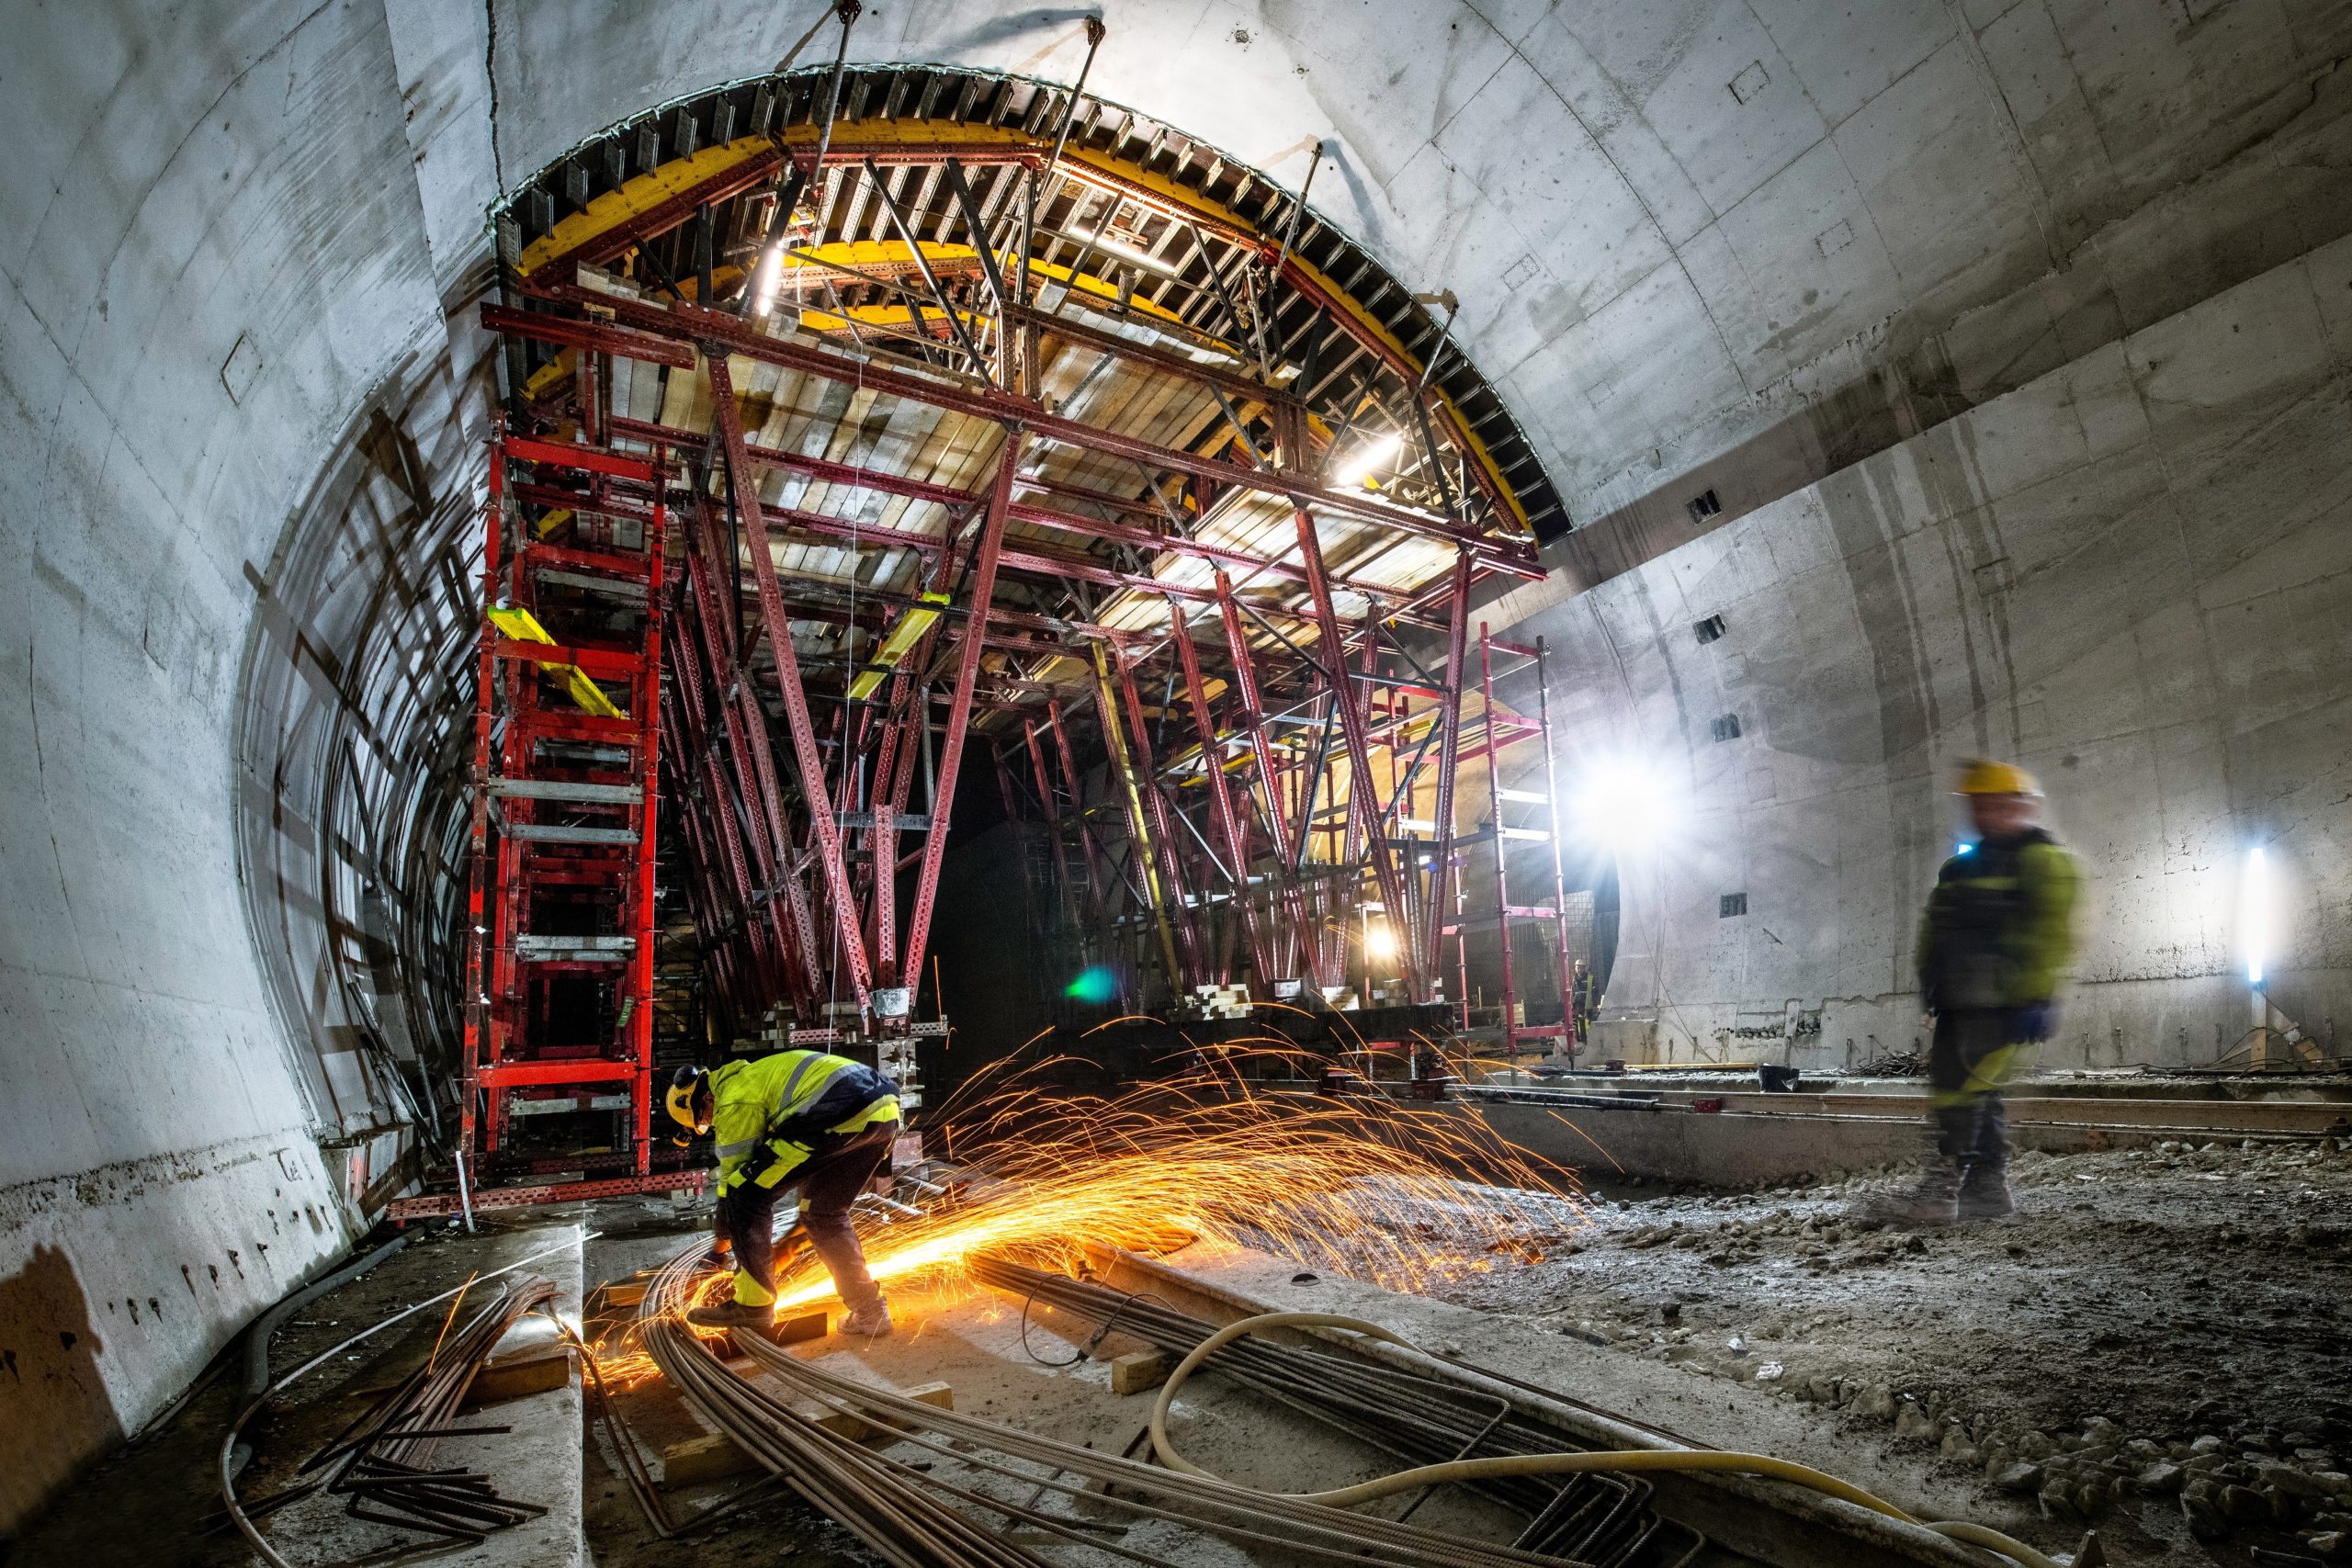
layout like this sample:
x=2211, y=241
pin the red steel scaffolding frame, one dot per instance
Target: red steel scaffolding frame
x=559, y=957
x=907, y=527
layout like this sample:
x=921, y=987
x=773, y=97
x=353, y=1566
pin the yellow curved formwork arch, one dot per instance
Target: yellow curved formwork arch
x=644, y=192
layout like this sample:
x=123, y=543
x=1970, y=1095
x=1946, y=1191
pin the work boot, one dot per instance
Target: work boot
x=1932, y=1203
x=1985, y=1194
x=730, y=1315
x=869, y=1322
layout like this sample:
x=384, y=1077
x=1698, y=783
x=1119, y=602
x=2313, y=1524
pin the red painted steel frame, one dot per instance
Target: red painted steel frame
x=1364, y=812
x=507, y=1044
x=959, y=711
x=813, y=903
x=444, y=1205
x=727, y=420
x=722, y=333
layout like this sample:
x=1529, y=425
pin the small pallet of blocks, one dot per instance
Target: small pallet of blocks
x=1216, y=1001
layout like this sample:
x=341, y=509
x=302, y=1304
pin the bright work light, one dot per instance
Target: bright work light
x=1379, y=451
x=2254, y=915
x=1622, y=804
x=764, y=281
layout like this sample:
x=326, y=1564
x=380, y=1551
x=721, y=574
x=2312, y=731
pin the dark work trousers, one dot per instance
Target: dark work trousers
x=828, y=1184
x=1968, y=1064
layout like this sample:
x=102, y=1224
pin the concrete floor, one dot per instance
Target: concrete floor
x=1929, y=1366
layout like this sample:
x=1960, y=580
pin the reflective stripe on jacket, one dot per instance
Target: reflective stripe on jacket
x=1998, y=929
x=761, y=1118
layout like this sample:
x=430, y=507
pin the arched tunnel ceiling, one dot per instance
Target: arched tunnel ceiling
x=1781, y=232
x=1696, y=243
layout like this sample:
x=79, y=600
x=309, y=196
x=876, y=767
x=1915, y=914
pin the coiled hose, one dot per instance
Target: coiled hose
x=1621, y=1460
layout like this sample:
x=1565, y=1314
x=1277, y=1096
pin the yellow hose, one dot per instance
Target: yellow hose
x=1565, y=1463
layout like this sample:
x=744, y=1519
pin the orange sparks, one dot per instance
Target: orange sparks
x=1395, y=1194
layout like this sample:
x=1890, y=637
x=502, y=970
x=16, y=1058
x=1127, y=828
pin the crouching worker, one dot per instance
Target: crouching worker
x=799, y=1119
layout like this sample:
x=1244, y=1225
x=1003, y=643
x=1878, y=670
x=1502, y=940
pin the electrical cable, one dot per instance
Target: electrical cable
x=258, y=1337
x=1559, y=1464
x=1128, y=1299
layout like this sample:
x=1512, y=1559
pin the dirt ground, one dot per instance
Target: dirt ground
x=2155, y=1342
x=2154, y=1345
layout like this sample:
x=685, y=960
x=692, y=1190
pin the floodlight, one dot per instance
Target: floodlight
x=2254, y=915
x=1377, y=453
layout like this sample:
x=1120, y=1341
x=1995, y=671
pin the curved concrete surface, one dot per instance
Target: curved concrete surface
x=2129, y=574
x=1699, y=244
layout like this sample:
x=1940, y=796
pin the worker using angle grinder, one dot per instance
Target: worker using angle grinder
x=1995, y=941
x=799, y=1119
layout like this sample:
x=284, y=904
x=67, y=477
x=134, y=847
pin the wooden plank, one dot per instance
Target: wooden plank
x=516, y=1374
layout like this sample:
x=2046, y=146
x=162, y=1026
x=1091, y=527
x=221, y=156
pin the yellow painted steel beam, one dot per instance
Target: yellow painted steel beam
x=634, y=197
x=648, y=190
x=915, y=620
x=524, y=627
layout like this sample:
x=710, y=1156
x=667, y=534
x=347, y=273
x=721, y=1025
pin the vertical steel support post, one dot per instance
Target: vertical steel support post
x=1295, y=945
x=1171, y=864
x=477, y=933
x=1362, y=792
x=1495, y=826
x=1559, y=872
x=794, y=951
x=727, y=420
x=1140, y=852
x=960, y=710
x=647, y=711
x=1228, y=825
x=1097, y=884
x=1448, y=757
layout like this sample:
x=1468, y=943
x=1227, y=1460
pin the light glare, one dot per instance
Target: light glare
x=1622, y=805
x=763, y=286
x=2254, y=915
x=1379, y=451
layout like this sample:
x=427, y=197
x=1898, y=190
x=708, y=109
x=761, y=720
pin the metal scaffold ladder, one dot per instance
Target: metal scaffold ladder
x=561, y=946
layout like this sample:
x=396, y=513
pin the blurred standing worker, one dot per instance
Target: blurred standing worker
x=1584, y=1002
x=1994, y=942
x=802, y=1119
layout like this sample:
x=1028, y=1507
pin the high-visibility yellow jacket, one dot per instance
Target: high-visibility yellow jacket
x=770, y=1113
x=1998, y=928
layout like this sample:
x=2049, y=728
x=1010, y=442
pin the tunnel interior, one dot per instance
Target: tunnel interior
x=1829, y=401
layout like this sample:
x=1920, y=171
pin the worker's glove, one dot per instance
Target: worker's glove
x=721, y=1254
x=2031, y=1024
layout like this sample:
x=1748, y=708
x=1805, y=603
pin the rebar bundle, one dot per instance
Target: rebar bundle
x=1599, y=1519
x=381, y=1463
x=915, y=1514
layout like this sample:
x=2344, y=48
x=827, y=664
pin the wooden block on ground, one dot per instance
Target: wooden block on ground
x=786, y=1330
x=793, y=1330
x=1136, y=1372
x=841, y=1423
x=698, y=1459
x=535, y=1368
x=623, y=1293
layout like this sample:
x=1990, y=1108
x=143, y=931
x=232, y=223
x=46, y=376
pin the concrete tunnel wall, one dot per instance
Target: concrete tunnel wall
x=2133, y=575
x=1692, y=240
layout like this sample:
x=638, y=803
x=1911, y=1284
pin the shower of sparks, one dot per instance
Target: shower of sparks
x=1401, y=1195
x=1396, y=1194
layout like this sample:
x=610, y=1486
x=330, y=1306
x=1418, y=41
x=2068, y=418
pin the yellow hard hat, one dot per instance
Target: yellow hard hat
x=679, y=1102
x=1979, y=776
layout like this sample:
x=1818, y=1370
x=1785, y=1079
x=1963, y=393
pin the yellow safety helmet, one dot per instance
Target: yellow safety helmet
x=1979, y=776
x=684, y=1085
